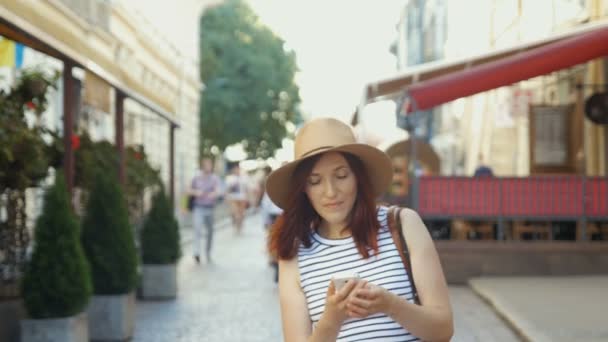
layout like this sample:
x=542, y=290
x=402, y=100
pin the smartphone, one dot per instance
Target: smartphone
x=340, y=279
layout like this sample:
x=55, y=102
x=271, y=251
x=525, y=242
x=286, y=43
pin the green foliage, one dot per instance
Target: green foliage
x=90, y=156
x=24, y=160
x=250, y=92
x=107, y=236
x=160, y=242
x=57, y=281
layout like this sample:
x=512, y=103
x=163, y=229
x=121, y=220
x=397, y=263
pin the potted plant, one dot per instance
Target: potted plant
x=108, y=241
x=160, y=247
x=56, y=286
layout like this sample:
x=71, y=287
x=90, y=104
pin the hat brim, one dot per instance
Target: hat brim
x=377, y=165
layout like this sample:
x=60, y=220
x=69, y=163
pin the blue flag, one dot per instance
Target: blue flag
x=19, y=48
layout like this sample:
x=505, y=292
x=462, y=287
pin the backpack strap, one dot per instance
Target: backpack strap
x=394, y=225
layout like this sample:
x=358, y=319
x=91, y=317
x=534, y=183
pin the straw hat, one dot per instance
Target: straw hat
x=329, y=135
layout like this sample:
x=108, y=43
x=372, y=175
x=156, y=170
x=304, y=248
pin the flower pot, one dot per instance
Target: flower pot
x=111, y=317
x=12, y=312
x=68, y=329
x=159, y=281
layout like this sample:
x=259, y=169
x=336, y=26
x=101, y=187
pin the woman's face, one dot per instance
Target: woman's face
x=331, y=187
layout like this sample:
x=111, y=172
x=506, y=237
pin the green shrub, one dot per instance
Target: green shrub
x=107, y=237
x=57, y=280
x=160, y=242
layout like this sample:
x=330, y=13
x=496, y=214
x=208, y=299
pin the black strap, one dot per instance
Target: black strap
x=394, y=224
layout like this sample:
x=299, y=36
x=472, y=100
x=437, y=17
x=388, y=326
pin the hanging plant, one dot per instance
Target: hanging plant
x=24, y=162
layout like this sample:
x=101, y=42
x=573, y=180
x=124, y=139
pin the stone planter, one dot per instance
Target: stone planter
x=111, y=317
x=159, y=281
x=69, y=329
x=12, y=312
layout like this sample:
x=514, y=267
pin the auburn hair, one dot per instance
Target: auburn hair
x=299, y=219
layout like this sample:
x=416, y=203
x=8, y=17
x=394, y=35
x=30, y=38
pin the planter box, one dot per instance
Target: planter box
x=111, y=317
x=69, y=329
x=159, y=281
x=12, y=312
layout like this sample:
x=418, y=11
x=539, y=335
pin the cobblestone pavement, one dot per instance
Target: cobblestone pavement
x=235, y=298
x=474, y=320
x=232, y=299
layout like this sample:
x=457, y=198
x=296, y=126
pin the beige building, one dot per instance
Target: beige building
x=493, y=127
x=122, y=43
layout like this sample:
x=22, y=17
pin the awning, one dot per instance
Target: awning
x=508, y=70
x=19, y=30
x=395, y=86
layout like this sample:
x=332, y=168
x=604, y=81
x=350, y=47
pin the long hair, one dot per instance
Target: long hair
x=295, y=225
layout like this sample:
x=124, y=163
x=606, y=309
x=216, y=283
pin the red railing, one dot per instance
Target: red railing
x=559, y=197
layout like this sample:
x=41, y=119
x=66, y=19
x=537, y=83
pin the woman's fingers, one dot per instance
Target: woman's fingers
x=345, y=290
x=369, y=292
x=356, y=312
x=331, y=289
x=359, y=302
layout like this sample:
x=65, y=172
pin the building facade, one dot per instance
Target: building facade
x=493, y=128
x=135, y=51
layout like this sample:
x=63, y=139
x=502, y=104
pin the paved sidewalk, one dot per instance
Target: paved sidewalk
x=475, y=321
x=550, y=308
x=235, y=299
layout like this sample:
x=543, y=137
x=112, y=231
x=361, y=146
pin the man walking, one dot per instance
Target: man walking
x=206, y=188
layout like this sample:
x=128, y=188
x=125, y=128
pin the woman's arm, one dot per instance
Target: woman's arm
x=431, y=321
x=297, y=325
x=294, y=312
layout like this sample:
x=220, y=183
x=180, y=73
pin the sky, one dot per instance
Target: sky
x=340, y=46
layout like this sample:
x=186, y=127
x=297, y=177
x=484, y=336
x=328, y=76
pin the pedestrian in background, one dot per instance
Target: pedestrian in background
x=331, y=226
x=270, y=213
x=206, y=187
x=237, y=195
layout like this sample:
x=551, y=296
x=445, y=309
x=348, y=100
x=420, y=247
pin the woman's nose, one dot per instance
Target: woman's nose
x=330, y=188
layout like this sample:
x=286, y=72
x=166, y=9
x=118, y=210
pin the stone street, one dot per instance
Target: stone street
x=235, y=298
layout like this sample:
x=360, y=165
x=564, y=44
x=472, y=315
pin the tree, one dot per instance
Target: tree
x=24, y=162
x=57, y=281
x=250, y=94
x=107, y=237
x=160, y=242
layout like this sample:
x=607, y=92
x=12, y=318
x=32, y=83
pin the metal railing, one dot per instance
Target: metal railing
x=558, y=198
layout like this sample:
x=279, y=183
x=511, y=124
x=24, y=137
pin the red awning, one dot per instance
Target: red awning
x=393, y=87
x=536, y=62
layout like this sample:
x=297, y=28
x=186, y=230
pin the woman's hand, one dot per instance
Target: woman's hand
x=369, y=300
x=336, y=301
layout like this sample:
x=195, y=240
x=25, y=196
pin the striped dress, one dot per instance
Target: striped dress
x=326, y=257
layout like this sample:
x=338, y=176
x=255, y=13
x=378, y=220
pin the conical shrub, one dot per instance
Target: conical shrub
x=160, y=241
x=57, y=281
x=108, y=238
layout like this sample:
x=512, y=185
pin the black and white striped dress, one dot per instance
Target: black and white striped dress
x=327, y=257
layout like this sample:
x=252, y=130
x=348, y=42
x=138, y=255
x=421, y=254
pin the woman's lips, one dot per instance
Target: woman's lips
x=332, y=205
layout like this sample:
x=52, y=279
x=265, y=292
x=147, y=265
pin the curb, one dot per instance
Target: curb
x=519, y=325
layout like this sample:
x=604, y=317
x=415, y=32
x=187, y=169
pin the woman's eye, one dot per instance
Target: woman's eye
x=313, y=181
x=342, y=175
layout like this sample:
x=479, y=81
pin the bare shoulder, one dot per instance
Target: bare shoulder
x=410, y=215
x=414, y=229
x=289, y=268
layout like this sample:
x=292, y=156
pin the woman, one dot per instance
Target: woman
x=331, y=225
x=237, y=196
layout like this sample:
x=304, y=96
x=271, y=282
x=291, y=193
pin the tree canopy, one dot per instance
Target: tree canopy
x=250, y=94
